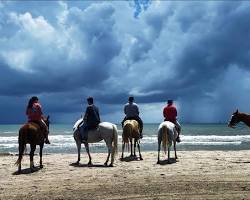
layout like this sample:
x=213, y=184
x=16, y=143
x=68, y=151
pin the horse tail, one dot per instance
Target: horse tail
x=127, y=131
x=115, y=140
x=164, y=132
x=22, y=144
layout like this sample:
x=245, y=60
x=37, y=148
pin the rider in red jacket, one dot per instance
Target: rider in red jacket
x=170, y=114
x=34, y=114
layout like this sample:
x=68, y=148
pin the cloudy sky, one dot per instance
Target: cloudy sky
x=197, y=53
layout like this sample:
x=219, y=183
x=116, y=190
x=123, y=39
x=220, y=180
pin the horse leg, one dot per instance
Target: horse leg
x=175, y=150
x=123, y=145
x=32, y=150
x=168, y=155
x=135, y=147
x=20, y=156
x=159, y=149
x=112, y=155
x=78, y=144
x=109, y=145
x=41, y=155
x=131, y=145
x=87, y=149
x=138, y=145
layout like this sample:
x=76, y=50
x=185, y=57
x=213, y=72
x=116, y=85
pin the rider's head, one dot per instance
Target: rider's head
x=170, y=101
x=32, y=100
x=131, y=99
x=90, y=100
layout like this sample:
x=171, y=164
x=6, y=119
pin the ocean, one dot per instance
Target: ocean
x=193, y=137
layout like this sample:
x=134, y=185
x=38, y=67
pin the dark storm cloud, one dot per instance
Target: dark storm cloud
x=201, y=61
x=52, y=71
x=186, y=51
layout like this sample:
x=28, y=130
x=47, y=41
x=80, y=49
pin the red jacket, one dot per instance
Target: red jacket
x=170, y=113
x=34, y=113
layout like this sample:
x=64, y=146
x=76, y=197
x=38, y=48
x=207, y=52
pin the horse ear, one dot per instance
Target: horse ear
x=48, y=117
x=237, y=111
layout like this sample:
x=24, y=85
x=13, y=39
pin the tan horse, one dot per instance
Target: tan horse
x=31, y=133
x=239, y=117
x=130, y=132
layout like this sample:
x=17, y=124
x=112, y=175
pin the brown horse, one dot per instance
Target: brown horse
x=239, y=117
x=130, y=132
x=31, y=133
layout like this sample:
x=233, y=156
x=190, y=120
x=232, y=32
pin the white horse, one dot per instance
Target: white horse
x=106, y=131
x=167, y=134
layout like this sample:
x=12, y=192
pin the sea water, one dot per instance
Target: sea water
x=193, y=137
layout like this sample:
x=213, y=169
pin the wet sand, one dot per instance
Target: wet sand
x=195, y=175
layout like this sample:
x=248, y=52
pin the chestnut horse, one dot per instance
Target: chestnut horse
x=31, y=133
x=131, y=131
x=167, y=134
x=239, y=117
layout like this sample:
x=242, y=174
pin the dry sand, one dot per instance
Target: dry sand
x=196, y=175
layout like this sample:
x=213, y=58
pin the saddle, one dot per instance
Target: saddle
x=31, y=125
x=34, y=126
x=93, y=128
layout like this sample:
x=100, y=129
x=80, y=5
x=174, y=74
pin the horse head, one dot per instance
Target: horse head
x=234, y=119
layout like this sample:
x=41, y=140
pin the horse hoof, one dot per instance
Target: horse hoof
x=76, y=163
x=105, y=164
x=111, y=165
x=41, y=166
x=141, y=158
x=158, y=162
x=90, y=164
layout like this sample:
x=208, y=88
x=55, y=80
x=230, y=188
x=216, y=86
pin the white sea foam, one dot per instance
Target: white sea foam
x=148, y=139
x=193, y=137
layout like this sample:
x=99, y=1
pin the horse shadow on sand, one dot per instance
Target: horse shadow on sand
x=167, y=162
x=245, y=162
x=27, y=171
x=130, y=159
x=87, y=165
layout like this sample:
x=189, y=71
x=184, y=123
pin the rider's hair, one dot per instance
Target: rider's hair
x=90, y=100
x=31, y=101
x=170, y=101
x=131, y=99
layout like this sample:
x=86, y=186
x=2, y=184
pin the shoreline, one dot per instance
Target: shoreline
x=83, y=151
x=196, y=175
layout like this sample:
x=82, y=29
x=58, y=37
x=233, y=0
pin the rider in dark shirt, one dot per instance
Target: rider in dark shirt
x=91, y=119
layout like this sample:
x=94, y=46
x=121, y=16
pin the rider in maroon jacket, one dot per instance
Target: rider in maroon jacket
x=170, y=114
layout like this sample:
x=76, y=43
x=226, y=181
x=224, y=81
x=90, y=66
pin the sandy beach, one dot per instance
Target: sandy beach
x=196, y=175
